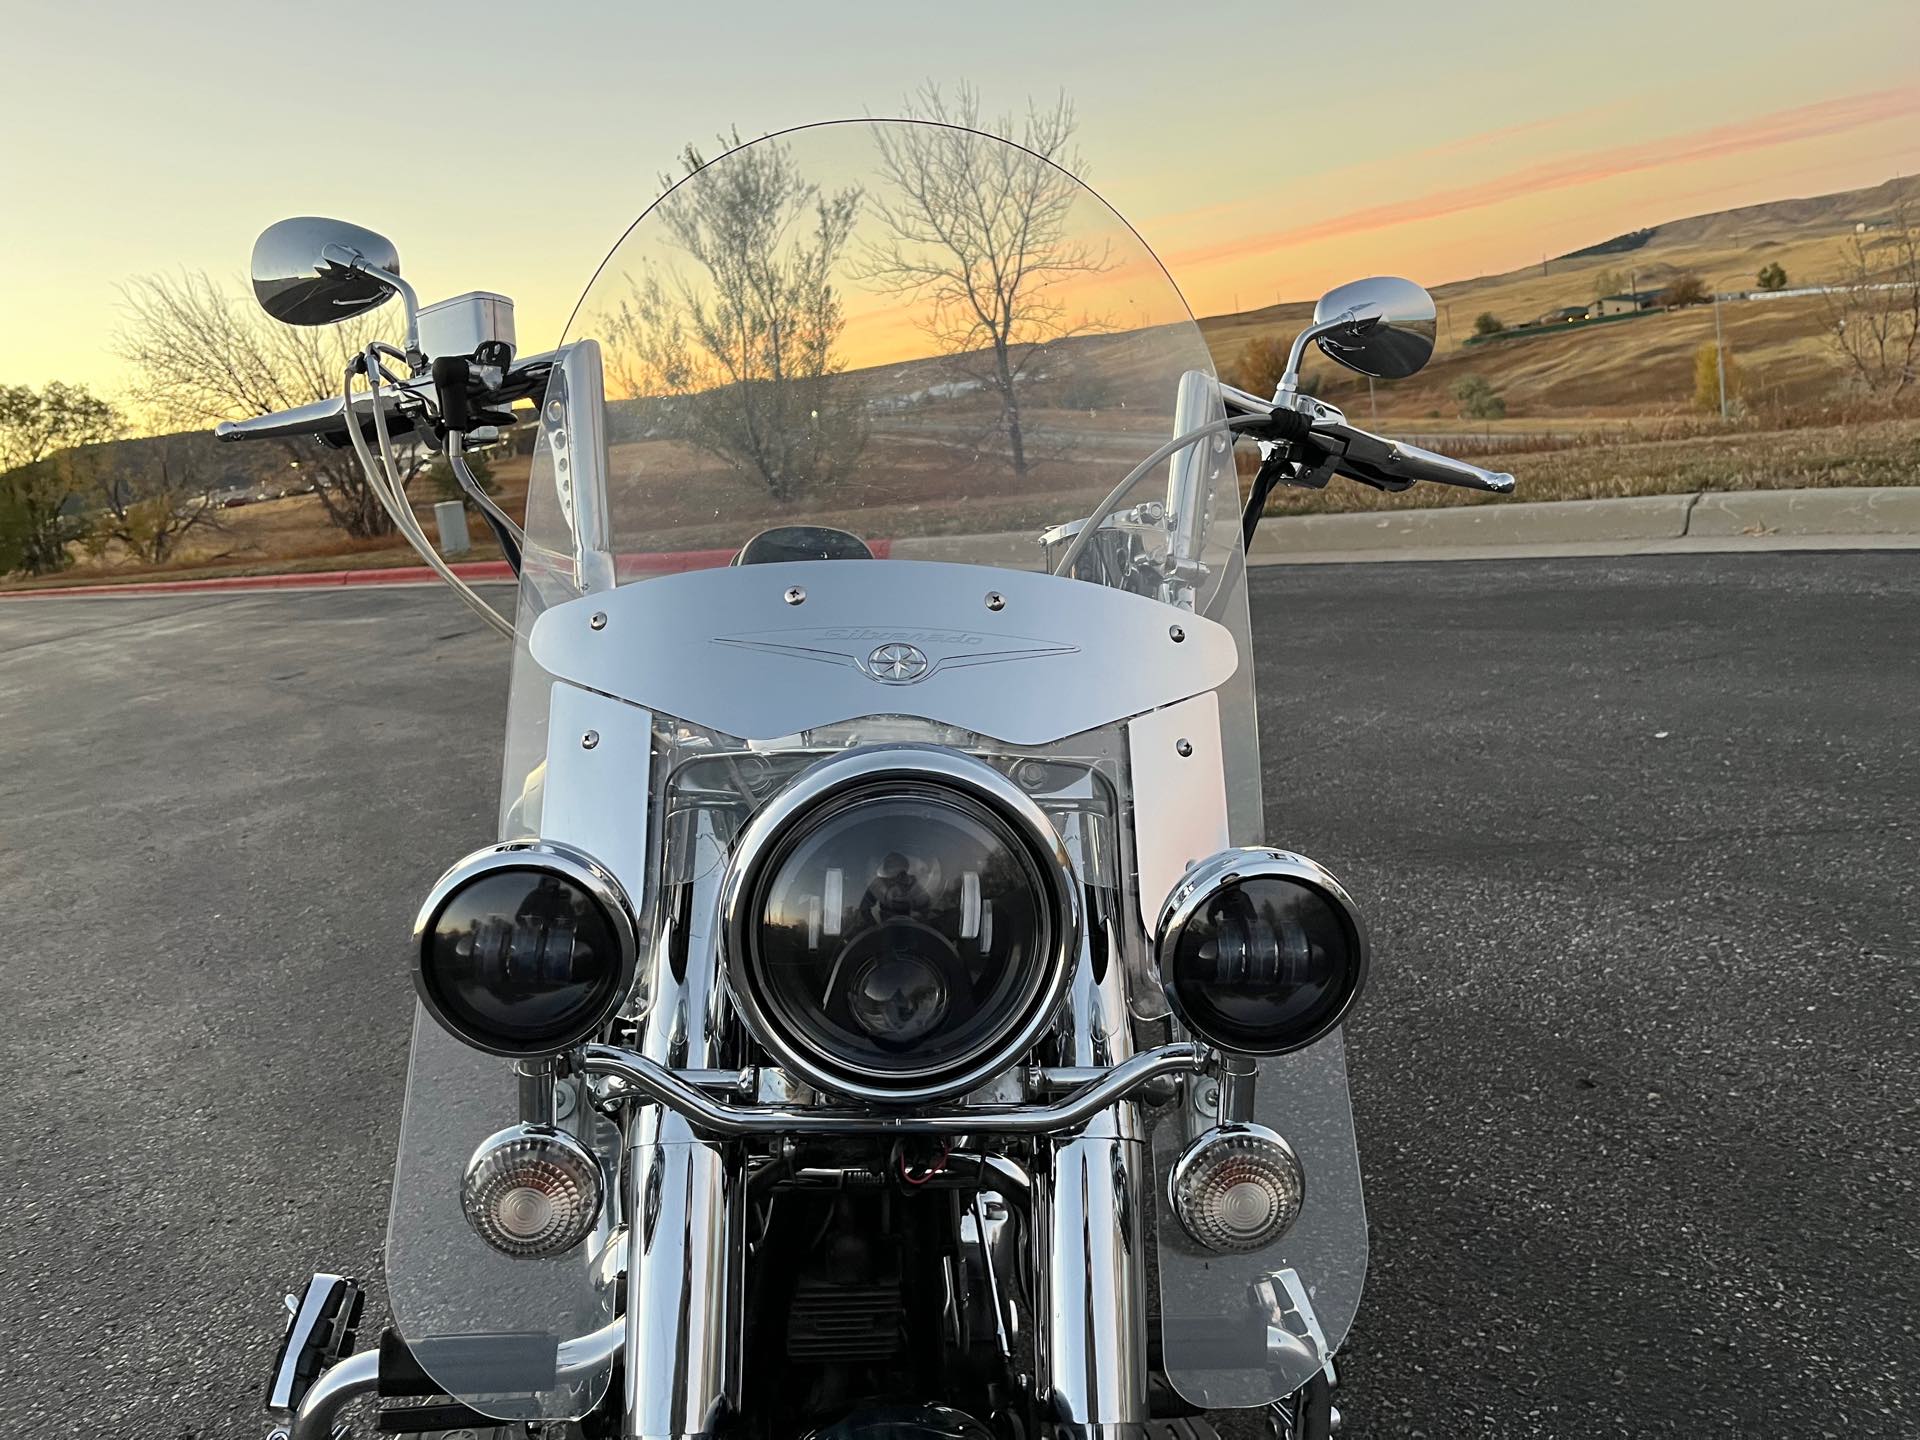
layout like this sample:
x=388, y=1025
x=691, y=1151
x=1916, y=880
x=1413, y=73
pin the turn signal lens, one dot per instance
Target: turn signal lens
x=1238, y=1188
x=532, y=1191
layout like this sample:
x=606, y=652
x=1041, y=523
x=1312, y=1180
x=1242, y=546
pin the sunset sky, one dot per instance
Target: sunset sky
x=1266, y=151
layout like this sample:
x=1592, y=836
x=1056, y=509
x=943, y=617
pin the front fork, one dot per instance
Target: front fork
x=1089, y=1247
x=682, y=1281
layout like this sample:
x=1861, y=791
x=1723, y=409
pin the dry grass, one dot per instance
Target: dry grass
x=1611, y=464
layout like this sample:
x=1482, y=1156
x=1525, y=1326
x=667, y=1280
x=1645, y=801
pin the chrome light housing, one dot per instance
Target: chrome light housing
x=525, y=949
x=531, y=1190
x=1237, y=1188
x=900, y=923
x=1261, y=951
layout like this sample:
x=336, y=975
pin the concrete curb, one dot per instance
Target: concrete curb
x=1770, y=519
x=1890, y=510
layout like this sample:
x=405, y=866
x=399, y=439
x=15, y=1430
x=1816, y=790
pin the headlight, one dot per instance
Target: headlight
x=1261, y=951
x=525, y=948
x=900, y=922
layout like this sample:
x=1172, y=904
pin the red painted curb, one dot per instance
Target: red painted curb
x=627, y=565
x=391, y=575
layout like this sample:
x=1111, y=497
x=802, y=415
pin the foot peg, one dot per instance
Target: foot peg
x=320, y=1331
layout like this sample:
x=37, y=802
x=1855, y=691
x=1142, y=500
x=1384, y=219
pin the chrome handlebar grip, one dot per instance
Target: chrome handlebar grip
x=324, y=419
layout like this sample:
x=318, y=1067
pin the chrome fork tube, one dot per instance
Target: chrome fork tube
x=1090, y=1265
x=681, y=1191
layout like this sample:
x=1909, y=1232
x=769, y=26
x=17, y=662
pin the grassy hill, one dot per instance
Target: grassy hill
x=1642, y=366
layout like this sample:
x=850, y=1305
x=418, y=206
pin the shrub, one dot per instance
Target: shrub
x=445, y=486
x=1477, y=399
x=1488, y=323
x=1261, y=364
x=1772, y=277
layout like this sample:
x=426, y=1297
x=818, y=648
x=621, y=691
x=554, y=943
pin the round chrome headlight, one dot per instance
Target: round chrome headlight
x=1261, y=951
x=900, y=923
x=525, y=948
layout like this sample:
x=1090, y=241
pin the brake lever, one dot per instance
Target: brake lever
x=1395, y=464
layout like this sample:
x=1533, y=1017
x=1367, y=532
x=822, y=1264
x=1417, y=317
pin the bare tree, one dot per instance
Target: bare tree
x=1873, y=305
x=40, y=513
x=206, y=354
x=981, y=234
x=743, y=352
x=151, y=494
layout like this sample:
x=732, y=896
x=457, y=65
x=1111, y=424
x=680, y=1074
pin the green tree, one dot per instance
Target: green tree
x=1706, y=378
x=41, y=513
x=1477, y=399
x=1772, y=277
x=1488, y=323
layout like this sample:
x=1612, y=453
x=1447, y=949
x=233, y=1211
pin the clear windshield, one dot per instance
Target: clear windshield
x=934, y=340
x=862, y=344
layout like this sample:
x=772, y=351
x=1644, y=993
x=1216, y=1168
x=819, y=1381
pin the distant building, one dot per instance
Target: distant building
x=1624, y=304
x=1564, y=315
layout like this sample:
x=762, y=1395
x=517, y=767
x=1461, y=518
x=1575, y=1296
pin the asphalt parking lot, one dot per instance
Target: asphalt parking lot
x=1634, y=1083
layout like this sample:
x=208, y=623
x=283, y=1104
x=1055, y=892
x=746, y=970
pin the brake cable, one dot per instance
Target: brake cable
x=384, y=480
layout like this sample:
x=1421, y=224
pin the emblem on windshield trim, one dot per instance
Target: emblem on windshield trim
x=897, y=663
x=892, y=657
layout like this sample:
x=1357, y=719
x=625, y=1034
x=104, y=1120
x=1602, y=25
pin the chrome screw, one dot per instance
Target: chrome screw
x=1185, y=747
x=796, y=596
x=590, y=739
x=1177, y=633
x=995, y=600
x=599, y=620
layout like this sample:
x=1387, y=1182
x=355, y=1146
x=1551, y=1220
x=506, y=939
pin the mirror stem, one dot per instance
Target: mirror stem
x=1290, y=380
x=354, y=260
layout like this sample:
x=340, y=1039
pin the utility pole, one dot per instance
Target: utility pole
x=1719, y=352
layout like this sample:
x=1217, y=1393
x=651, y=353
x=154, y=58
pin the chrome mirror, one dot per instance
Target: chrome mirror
x=1383, y=327
x=310, y=271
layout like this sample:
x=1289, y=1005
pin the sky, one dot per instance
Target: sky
x=1265, y=151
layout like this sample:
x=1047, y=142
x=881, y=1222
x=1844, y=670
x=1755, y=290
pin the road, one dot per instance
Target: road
x=1634, y=1082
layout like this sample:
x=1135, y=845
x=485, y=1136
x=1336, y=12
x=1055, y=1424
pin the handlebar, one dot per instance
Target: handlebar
x=324, y=419
x=1395, y=464
x=400, y=403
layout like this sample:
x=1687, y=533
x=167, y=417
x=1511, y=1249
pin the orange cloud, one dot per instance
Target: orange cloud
x=1781, y=127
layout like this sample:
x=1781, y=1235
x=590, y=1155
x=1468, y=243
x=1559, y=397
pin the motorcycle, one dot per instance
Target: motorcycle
x=882, y=1013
